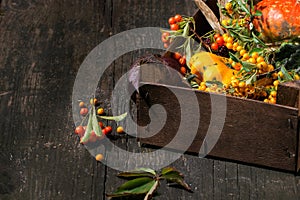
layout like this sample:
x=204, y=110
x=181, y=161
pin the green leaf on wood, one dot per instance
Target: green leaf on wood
x=141, y=172
x=136, y=186
x=175, y=176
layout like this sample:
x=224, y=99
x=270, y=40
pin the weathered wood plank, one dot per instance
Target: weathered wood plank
x=40, y=55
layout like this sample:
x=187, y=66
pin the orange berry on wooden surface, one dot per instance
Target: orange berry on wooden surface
x=120, y=129
x=100, y=111
x=99, y=157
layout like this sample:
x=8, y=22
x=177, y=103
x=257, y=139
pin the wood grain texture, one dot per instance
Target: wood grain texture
x=43, y=44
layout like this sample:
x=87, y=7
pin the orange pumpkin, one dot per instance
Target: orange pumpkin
x=280, y=20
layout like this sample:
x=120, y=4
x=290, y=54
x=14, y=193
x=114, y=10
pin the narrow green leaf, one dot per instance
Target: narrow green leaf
x=115, y=118
x=258, y=50
x=166, y=170
x=95, y=123
x=88, y=130
x=134, y=187
x=140, y=172
x=258, y=13
x=176, y=177
x=233, y=57
x=244, y=7
x=257, y=40
x=286, y=75
x=151, y=191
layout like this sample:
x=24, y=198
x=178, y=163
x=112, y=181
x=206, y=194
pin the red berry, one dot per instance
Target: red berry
x=108, y=129
x=182, y=60
x=220, y=41
x=101, y=125
x=214, y=46
x=217, y=35
x=164, y=37
x=84, y=111
x=178, y=18
x=79, y=130
x=172, y=20
x=166, y=45
x=183, y=70
x=177, y=55
x=174, y=27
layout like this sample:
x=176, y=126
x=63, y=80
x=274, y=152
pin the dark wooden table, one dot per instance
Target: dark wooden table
x=43, y=44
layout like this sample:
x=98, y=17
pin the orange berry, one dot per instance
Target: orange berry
x=120, y=129
x=99, y=157
x=81, y=104
x=260, y=59
x=100, y=111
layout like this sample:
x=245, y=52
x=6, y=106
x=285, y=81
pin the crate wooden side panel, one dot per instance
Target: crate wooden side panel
x=254, y=132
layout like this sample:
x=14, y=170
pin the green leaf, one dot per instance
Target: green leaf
x=257, y=13
x=166, y=170
x=115, y=118
x=134, y=187
x=258, y=50
x=95, y=123
x=176, y=177
x=286, y=75
x=141, y=172
x=257, y=40
x=233, y=57
x=244, y=7
x=88, y=130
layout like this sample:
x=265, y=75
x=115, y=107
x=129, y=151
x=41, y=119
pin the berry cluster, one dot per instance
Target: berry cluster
x=81, y=129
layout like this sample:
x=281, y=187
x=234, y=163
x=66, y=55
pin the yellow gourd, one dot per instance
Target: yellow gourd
x=210, y=67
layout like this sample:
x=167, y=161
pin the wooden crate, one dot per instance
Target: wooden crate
x=254, y=132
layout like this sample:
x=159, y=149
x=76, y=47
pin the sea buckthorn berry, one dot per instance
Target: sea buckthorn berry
x=242, y=52
x=242, y=84
x=99, y=157
x=297, y=77
x=266, y=100
x=270, y=67
x=228, y=6
x=239, y=48
x=81, y=104
x=229, y=40
x=273, y=93
x=252, y=60
x=260, y=59
x=254, y=55
x=245, y=56
x=276, y=83
x=93, y=101
x=100, y=111
x=272, y=100
x=280, y=74
x=120, y=129
x=229, y=45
